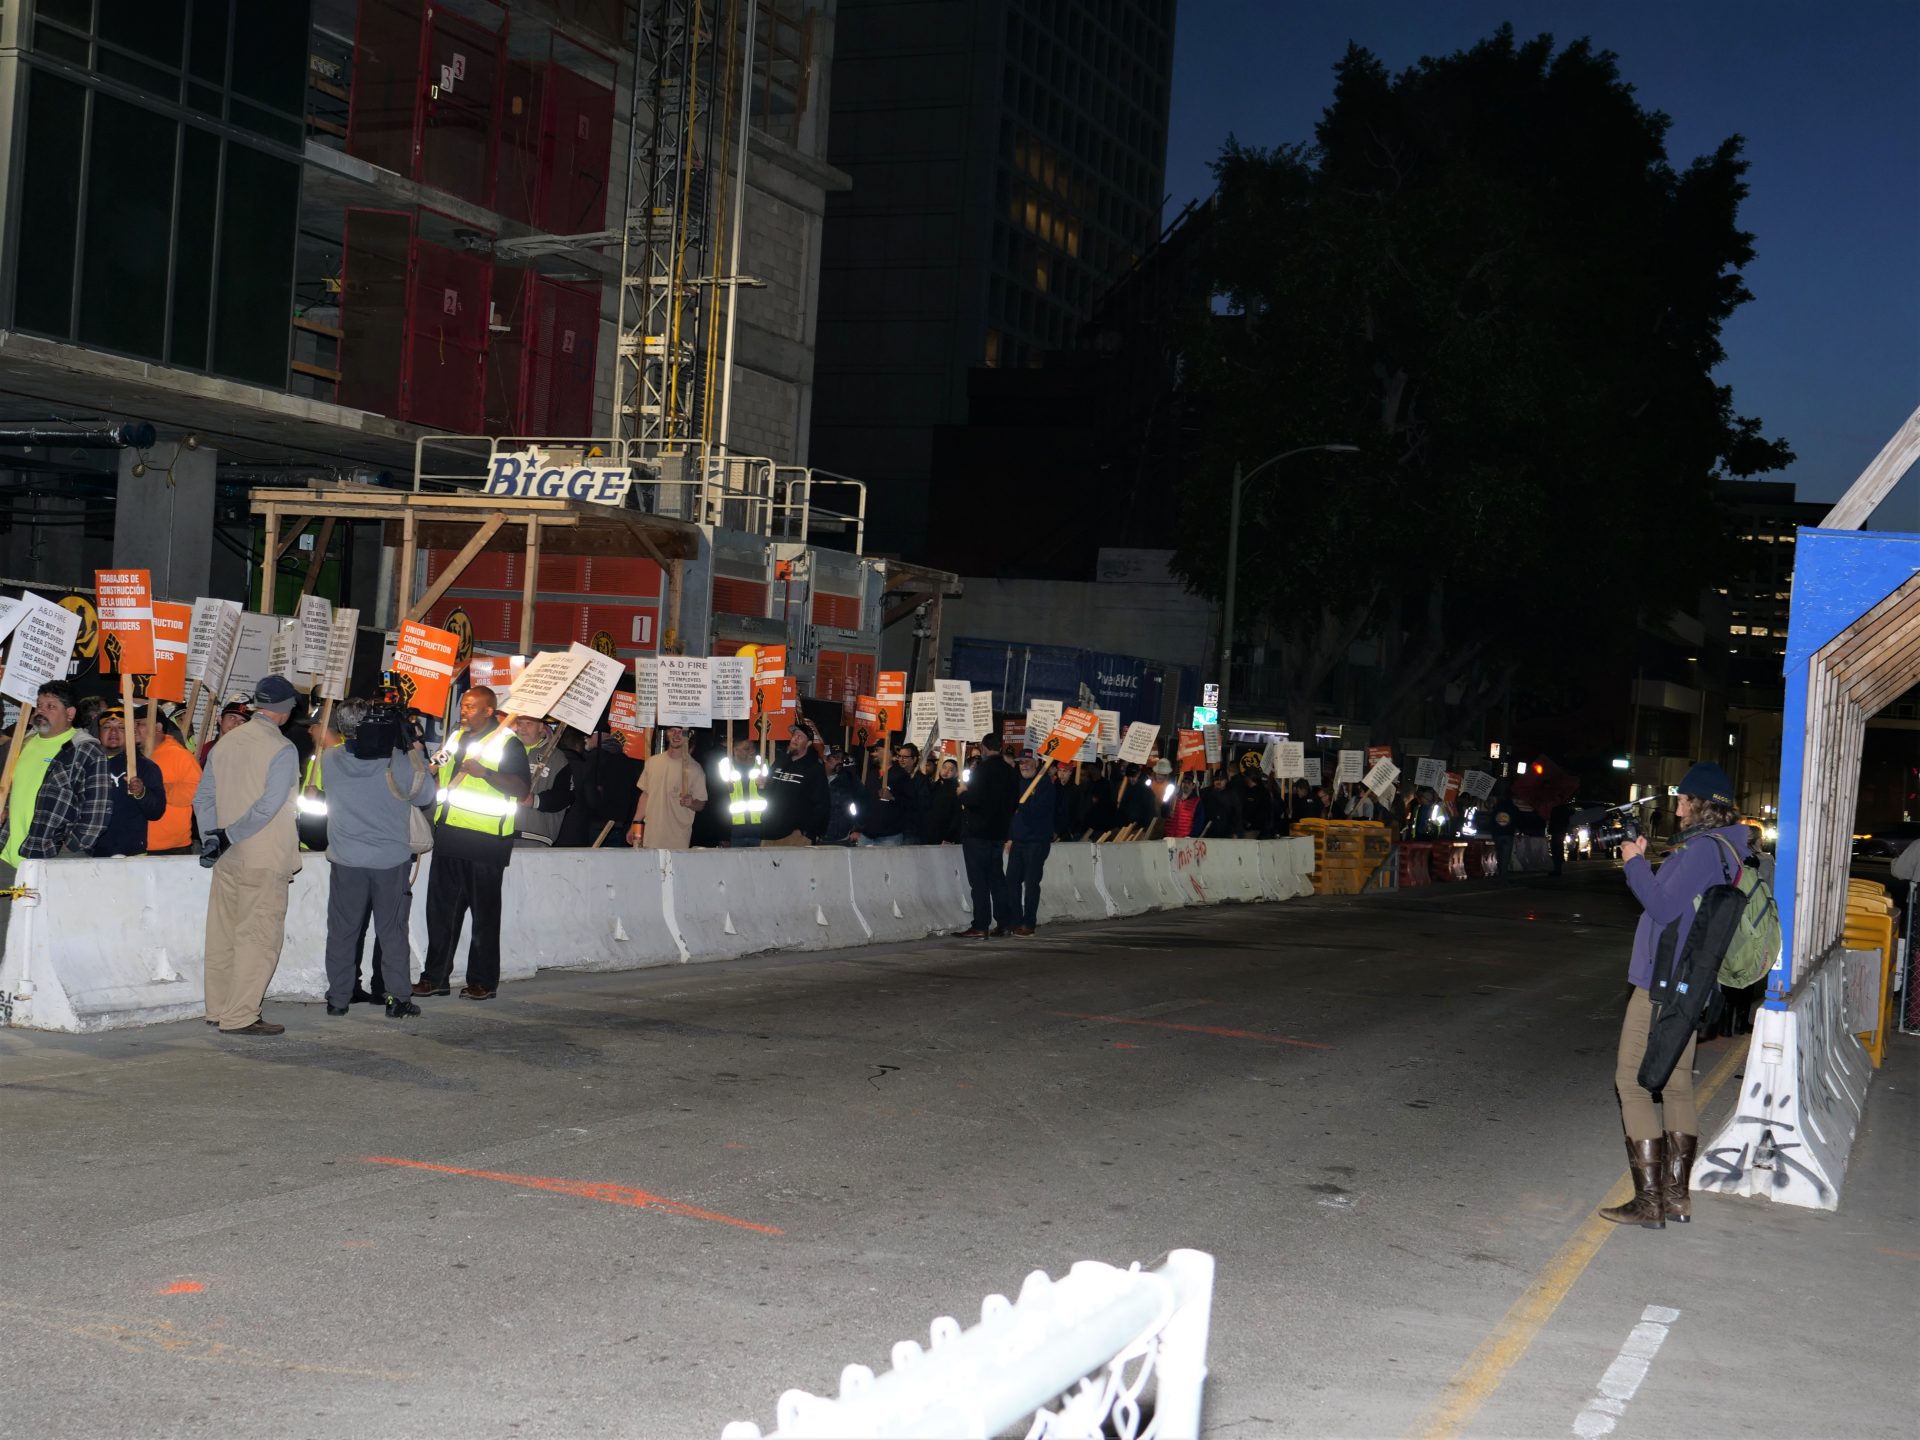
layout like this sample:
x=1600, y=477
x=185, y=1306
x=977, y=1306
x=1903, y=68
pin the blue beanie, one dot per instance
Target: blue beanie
x=1707, y=781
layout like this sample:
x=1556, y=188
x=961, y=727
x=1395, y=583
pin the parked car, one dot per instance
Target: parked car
x=1886, y=841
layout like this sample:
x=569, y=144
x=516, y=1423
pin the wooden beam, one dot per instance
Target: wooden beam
x=646, y=541
x=409, y=548
x=319, y=557
x=460, y=562
x=900, y=612
x=529, y=585
x=676, y=582
x=1875, y=482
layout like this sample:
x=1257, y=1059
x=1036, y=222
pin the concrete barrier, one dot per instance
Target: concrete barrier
x=106, y=943
x=1068, y=890
x=1136, y=876
x=1229, y=869
x=1802, y=1096
x=1286, y=868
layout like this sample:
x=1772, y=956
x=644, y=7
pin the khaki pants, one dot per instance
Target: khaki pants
x=796, y=838
x=1638, y=1114
x=246, y=923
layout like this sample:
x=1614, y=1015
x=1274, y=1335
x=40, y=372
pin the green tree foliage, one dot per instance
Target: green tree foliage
x=1487, y=274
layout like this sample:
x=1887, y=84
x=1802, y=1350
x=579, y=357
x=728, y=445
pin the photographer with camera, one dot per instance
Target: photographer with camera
x=1663, y=1127
x=372, y=779
x=244, y=805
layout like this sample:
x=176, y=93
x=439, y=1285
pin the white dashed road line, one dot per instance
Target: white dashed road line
x=1624, y=1375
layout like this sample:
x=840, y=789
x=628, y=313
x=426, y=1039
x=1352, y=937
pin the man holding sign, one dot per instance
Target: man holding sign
x=484, y=776
x=62, y=795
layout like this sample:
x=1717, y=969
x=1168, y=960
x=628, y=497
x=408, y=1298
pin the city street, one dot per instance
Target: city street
x=644, y=1204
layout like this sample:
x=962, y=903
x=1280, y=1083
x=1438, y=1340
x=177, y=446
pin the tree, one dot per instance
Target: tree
x=1485, y=273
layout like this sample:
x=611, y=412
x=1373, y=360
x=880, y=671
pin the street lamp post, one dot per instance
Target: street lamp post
x=1233, y=560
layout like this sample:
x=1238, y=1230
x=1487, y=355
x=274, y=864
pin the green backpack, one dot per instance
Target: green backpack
x=1756, y=939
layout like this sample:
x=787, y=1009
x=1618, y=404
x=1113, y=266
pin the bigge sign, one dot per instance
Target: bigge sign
x=532, y=476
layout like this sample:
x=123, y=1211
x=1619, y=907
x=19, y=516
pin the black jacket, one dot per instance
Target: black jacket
x=879, y=818
x=987, y=804
x=940, y=821
x=1069, y=811
x=126, y=832
x=796, y=792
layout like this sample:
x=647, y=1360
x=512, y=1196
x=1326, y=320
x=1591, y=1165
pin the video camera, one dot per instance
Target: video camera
x=386, y=727
x=1614, y=828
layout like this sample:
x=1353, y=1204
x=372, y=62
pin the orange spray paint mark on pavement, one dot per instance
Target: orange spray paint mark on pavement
x=600, y=1190
x=182, y=1287
x=1125, y=1045
x=1195, y=1029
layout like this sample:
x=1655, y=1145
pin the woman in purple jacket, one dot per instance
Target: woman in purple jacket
x=1663, y=1128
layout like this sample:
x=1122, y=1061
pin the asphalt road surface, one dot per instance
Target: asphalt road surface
x=644, y=1204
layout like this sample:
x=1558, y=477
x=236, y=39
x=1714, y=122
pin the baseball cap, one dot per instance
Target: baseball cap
x=275, y=692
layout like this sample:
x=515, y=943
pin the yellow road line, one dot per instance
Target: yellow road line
x=1473, y=1385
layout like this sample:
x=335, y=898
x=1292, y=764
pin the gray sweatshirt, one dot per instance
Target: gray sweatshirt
x=366, y=821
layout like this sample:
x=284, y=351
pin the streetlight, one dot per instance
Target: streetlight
x=1233, y=559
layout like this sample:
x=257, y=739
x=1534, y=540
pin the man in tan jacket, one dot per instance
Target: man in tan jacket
x=245, y=806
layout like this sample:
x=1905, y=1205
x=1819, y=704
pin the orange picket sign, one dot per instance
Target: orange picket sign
x=426, y=660
x=890, y=689
x=1069, y=733
x=1193, y=750
x=170, y=626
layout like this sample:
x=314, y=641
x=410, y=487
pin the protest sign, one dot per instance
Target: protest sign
x=171, y=624
x=890, y=689
x=1136, y=748
x=646, y=688
x=1476, y=784
x=337, y=673
x=1107, y=737
x=769, y=662
x=253, y=641
x=1288, y=759
x=424, y=660
x=584, y=701
x=982, y=713
x=685, y=693
x=956, y=709
x=1429, y=773
x=210, y=641
x=922, y=715
x=1380, y=778
x=1212, y=735
x=280, y=649
x=1192, y=751
x=496, y=672
x=1042, y=716
x=1377, y=753
x=10, y=613
x=39, y=649
x=622, y=718
x=1069, y=733
x=1311, y=769
x=730, y=686
x=316, y=629
x=865, y=728
x=1013, y=736
x=124, y=601
x=541, y=684
x=1350, y=767
x=1453, y=786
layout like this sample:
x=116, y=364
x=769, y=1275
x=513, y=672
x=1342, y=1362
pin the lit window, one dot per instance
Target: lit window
x=1760, y=630
x=1737, y=629
x=1040, y=277
x=993, y=347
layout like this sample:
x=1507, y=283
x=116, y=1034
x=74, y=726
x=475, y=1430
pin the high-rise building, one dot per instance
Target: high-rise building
x=1008, y=160
x=300, y=237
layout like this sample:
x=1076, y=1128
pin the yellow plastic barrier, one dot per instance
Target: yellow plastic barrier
x=1346, y=853
x=1867, y=929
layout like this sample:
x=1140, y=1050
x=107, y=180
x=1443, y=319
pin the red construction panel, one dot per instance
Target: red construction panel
x=563, y=575
x=576, y=147
x=633, y=627
x=516, y=189
x=837, y=612
x=493, y=620
x=738, y=597
x=459, y=119
x=445, y=383
x=562, y=344
x=622, y=575
x=384, y=114
x=507, y=352
x=489, y=570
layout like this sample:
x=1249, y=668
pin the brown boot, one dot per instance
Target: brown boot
x=1646, y=1159
x=1674, y=1197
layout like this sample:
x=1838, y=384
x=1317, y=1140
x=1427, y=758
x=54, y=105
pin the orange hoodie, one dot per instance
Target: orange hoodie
x=174, y=830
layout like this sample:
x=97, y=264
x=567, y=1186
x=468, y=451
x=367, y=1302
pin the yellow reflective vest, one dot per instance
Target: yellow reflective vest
x=467, y=802
x=745, y=803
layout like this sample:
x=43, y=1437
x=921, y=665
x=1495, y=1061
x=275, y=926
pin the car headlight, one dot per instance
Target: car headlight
x=1770, y=832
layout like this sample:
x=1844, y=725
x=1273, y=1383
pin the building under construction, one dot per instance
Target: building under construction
x=329, y=246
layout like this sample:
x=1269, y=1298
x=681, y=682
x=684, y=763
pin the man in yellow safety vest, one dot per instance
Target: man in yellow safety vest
x=484, y=776
x=745, y=772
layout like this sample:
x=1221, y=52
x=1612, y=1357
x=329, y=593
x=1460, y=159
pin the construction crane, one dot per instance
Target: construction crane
x=693, y=62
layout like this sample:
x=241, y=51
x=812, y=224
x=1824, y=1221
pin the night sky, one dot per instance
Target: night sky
x=1827, y=353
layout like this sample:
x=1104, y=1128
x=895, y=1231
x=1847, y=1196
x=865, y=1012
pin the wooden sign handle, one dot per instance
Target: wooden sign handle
x=13, y=753
x=129, y=732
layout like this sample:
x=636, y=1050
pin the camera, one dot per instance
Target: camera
x=386, y=726
x=1619, y=830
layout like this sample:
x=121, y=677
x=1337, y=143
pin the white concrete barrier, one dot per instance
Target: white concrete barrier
x=1802, y=1096
x=106, y=943
x=1068, y=889
x=1228, y=869
x=1286, y=868
x=1135, y=876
